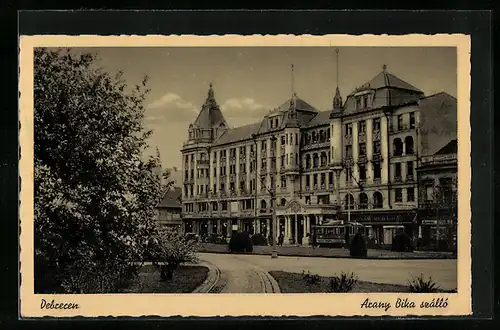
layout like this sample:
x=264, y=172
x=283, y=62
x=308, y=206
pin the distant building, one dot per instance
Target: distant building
x=169, y=209
x=355, y=161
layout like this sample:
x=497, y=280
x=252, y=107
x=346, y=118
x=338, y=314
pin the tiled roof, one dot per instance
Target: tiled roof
x=299, y=105
x=171, y=198
x=385, y=79
x=321, y=118
x=210, y=114
x=236, y=134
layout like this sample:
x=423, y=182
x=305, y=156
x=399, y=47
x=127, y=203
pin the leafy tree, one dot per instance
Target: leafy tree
x=94, y=192
x=173, y=249
x=444, y=209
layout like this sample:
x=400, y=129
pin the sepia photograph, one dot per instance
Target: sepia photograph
x=293, y=170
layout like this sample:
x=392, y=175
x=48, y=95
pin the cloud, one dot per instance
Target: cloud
x=170, y=107
x=171, y=99
x=242, y=104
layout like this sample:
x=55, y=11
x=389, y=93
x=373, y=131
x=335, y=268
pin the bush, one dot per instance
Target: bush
x=402, y=243
x=259, y=240
x=420, y=285
x=240, y=242
x=343, y=283
x=358, y=246
x=310, y=279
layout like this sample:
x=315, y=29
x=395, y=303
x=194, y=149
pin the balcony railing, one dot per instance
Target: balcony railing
x=410, y=178
x=203, y=162
x=362, y=137
x=376, y=135
x=362, y=159
x=348, y=139
x=398, y=179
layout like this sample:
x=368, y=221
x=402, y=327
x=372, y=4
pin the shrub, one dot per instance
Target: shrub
x=259, y=240
x=420, y=285
x=310, y=279
x=358, y=246
x=240, y=242
x=171, y=250
x=343, y=283
x=402, y=243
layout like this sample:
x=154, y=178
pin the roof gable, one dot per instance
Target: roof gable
x=171, y=198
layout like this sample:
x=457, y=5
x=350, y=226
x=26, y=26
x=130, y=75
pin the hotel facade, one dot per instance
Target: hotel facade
x=354, y=162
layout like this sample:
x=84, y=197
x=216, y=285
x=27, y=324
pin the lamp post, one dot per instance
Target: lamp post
x=274, y=253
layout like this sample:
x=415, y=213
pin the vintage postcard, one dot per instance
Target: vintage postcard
x=288, y=175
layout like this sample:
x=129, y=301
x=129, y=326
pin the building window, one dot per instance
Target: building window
x=315, y=160
x=348, y=174
x=283, y=181
x=412, y=120
x=296, y=139
x=315, y=179
x=215, y=188
x=409, y=145
x=308, y=161
x=263, y=164
x=276, y=122
x=362, y=149
x=330, y=178
x=397, y=171
x=409, y=170
x=400, y=122
x=365, y=101
x=296, y=159
x=349, y=201
x=282, y=160
x=376, y=170
x=363, y=201
x=429, y=192
x=410, y=194
x=376, y=124
x=348, y=129
x=308, y=181
x=362, y=126
x=362, y=172
x=323, y=159
x=348, y=151
x=377, y=200
x=399, y=194
x=358, y=102
x=398, y=147
x=377, y=150
x=283, y=140
x=263, y=145
x=323, y=178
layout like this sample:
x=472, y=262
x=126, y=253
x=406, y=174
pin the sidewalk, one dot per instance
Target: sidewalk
x=302, y=251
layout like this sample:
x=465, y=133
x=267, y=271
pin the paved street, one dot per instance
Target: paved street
x=240, y=275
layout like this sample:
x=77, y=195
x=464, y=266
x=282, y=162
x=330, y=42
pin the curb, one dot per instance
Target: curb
x=269, y=283
x=213, y=277
x=336, y=257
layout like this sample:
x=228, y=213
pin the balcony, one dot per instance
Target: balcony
x=377, y=180
x=376, y=135
x=272, y=153
x=348, y=161
x=398, y=179
x=362, y=159
x=223, y=159
x=203, y=162
x=232, y=160
x=410, y=178
x=252, y=154
x=263, y=171
x=348, y=139
x=263, y=153
x=232, y=177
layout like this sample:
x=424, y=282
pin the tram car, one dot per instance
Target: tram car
x=335, y=233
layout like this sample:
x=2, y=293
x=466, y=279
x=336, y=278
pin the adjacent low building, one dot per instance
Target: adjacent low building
x=169, y=210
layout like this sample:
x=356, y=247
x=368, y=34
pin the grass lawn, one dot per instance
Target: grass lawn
x=186, y=279
x=294, y=283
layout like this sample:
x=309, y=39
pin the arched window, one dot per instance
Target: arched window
x=283, y=202
x=322, y=137
x=349, y=201
x=308, y=161
x=315, y=160
x=314, y=137
x=328, y=134
x=363, y=201
x=409, y=145
x=398, y=147
x=263, y=205
x=323, y=159
x=377, y=200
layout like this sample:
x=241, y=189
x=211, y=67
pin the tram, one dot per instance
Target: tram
x=335, y=233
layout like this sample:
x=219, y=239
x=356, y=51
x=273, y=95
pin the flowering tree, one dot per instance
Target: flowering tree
x=173, y=249
x=95, y=193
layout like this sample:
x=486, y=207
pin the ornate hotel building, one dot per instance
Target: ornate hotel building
x=355, y=162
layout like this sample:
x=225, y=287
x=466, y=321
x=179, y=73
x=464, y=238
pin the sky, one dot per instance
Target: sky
x=250, y=81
